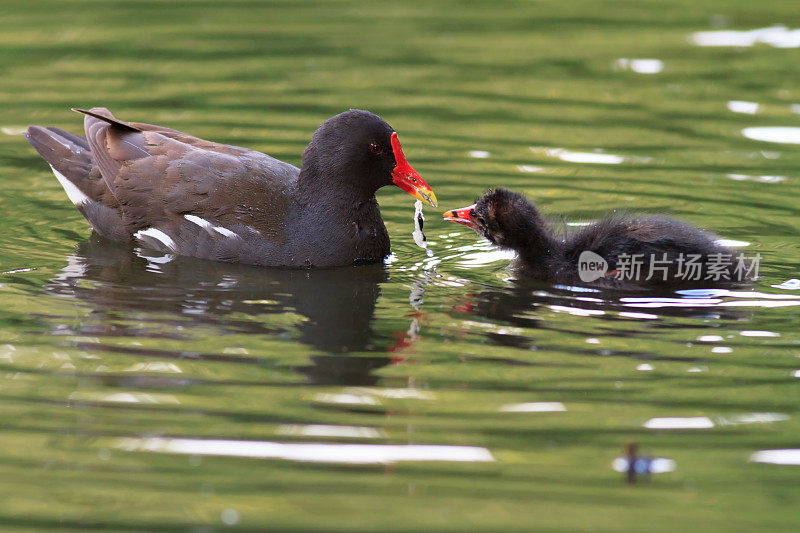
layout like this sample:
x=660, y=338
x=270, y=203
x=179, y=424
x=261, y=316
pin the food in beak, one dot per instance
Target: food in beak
x=419, y=221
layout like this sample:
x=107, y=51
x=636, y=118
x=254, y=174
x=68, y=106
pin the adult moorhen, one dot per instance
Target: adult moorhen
x=617, y=251
x=183, y=195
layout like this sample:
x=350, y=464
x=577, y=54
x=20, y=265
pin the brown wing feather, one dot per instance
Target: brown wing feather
x=158, y=175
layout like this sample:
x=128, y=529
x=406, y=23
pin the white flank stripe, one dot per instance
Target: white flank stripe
x=203, y=223
x=160, y=236
x=75, y=195
x=209, y=227
x=226, y=232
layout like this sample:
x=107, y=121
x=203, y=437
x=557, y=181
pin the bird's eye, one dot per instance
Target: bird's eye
x=375, y=148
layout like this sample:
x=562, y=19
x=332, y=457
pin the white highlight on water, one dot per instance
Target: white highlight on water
x=346, y=398
x=533, y=407
x=692, y=422
x=777, y=36
x=773, y=134
x=640, y=66
x=752, y=418
x=315, y=452
x=529, y=168
x=739, y=106
x=777, y=457
x=789, y=285
x=581, y=157
x=324, y=430
x=155, y=366
x=758, y=333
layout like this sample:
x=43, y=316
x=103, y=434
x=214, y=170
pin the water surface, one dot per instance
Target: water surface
x=427, y=393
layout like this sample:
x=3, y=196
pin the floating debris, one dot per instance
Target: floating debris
x=419, y=222
x=633, y=464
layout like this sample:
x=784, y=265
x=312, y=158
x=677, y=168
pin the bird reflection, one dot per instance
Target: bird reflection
x=330, y=310
x=528, y=305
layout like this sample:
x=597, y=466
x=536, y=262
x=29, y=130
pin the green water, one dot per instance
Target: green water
x=102, y=351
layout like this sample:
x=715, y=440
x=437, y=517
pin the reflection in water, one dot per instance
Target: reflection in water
x=316, y=452
x=334, y=308
x=521, y=316
x=515, y=305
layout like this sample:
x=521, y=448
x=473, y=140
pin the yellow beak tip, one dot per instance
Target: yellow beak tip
x=427, y=197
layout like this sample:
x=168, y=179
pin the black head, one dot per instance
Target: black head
x=503, y=217
x=358, y=151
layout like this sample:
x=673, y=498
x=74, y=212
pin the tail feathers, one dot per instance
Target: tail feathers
x=101, y=113
x=75, y=138
x=72, y=162
x=69, y=154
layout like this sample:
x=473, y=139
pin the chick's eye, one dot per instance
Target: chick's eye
x=375, y=148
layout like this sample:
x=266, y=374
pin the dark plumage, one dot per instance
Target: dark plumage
x=669, y=249
x=175, y=193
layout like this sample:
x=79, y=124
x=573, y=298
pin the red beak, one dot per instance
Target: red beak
x=461, y=216
x=405, y=177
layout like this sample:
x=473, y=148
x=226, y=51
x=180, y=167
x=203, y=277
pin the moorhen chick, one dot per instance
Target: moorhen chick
x=616, y=251
x=179, y=194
